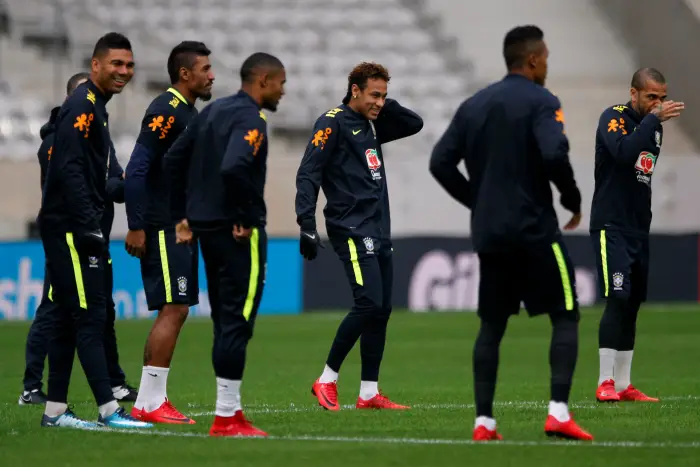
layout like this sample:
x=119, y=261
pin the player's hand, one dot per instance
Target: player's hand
x=309, y=241
x=573, y=222
x=668, y=110
x=135, y=243
x=183, y=234
x=242, y=234
x=91, y=243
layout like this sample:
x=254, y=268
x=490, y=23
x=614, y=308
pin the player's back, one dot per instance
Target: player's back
x=210, y=201
x=510, y=191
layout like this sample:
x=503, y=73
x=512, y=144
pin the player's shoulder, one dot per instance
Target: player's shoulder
x=83, y=99
x=165, y=103
x=615, y=110
x=544, y=96
x=331, y=118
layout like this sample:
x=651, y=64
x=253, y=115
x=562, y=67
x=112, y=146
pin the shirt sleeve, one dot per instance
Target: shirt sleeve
x=115, y=179
x=548, y=127
x=322, y=144
x=396, y=122
x=623, y=141
x=69, y=158
x=448, y=152
x=242, y=148
x=154, y=137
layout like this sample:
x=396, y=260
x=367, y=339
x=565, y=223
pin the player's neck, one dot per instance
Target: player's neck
x=353, y=106
x=186, y=93
x=96, y=84
x=250, y=90
x=522, y=72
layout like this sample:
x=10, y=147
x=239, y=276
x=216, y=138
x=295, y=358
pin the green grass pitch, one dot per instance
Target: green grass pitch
x=427, y=364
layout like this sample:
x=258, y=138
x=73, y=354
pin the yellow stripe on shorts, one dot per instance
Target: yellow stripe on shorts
x=355, y=263
x=77, y=271
x=254, y=273
x=166, y=267
x=604, y=259
x=565, y=280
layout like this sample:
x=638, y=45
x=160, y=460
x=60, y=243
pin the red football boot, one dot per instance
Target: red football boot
x=380, y=401
x=632, y=394
x=237, y=425
x=481, y=433
x=606, y=392
x=166, y=413
x=327, y=395
x=567, y=430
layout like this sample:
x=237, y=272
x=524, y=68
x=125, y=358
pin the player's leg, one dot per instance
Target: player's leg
x=61, y=347
x=364, y=275
x=638, y=294
x=37, y=348
x=166, y=270
x=373, y=338
x=242, y=268
x=499, y=298
x=117, y=378
x=549, y=288
x=614, y=266
x=87, y=306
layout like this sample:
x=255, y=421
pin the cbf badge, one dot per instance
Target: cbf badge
x=182, y=285
x=369, y=245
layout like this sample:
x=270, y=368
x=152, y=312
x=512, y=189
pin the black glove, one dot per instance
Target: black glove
x=309, y=241
x=91, y=243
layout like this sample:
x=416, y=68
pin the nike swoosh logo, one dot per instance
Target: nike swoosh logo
x=312, y=237
x=96, y=235
x=327, y=401
x=155, y=376
x=354, y=132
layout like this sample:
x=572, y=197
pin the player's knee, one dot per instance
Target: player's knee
x=369, y=305
x=176, y=312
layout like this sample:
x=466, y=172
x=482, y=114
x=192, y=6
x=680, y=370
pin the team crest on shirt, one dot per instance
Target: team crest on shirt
x=93, y=261
x=182, y=285
x=618, y=280
x=369, y=245
x=646, y=162
x=373, y=163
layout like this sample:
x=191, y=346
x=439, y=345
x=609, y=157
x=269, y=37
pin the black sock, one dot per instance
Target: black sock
x=563, y=352
x=486, y=350
x=610, y=330
x=372, y=343
x=628, y=328
x=347, y=335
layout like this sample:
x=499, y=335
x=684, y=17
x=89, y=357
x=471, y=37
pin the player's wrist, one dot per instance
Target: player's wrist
x=308, y=225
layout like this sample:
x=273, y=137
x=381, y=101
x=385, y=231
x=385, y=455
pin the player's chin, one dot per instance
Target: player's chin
x=271, y=106
x=205, y=96
x=372, y=114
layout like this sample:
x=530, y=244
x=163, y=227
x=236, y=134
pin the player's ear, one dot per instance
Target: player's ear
x=184, y=74
x=95, y=65
x=355, y=90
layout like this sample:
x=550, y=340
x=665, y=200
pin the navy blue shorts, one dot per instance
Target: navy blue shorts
x=622, y=263
x=169, y=270
x=540, y=276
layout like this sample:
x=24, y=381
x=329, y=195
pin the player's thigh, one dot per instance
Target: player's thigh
x=166, y=269
x=549, y=280
x=499, y=290
x=639, y=274
x=363, y=271
x=613, y=263
x=212, y=259
x=77, y=279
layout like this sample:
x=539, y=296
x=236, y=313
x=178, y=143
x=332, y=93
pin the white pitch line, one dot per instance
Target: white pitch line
x=430, y=441
x=272, y=409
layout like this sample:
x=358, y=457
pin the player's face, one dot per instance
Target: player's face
x=538, y=62
x=113, y=70
x=370, y=101
x=201, y=78
x=644, y=100
x=273, y=87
